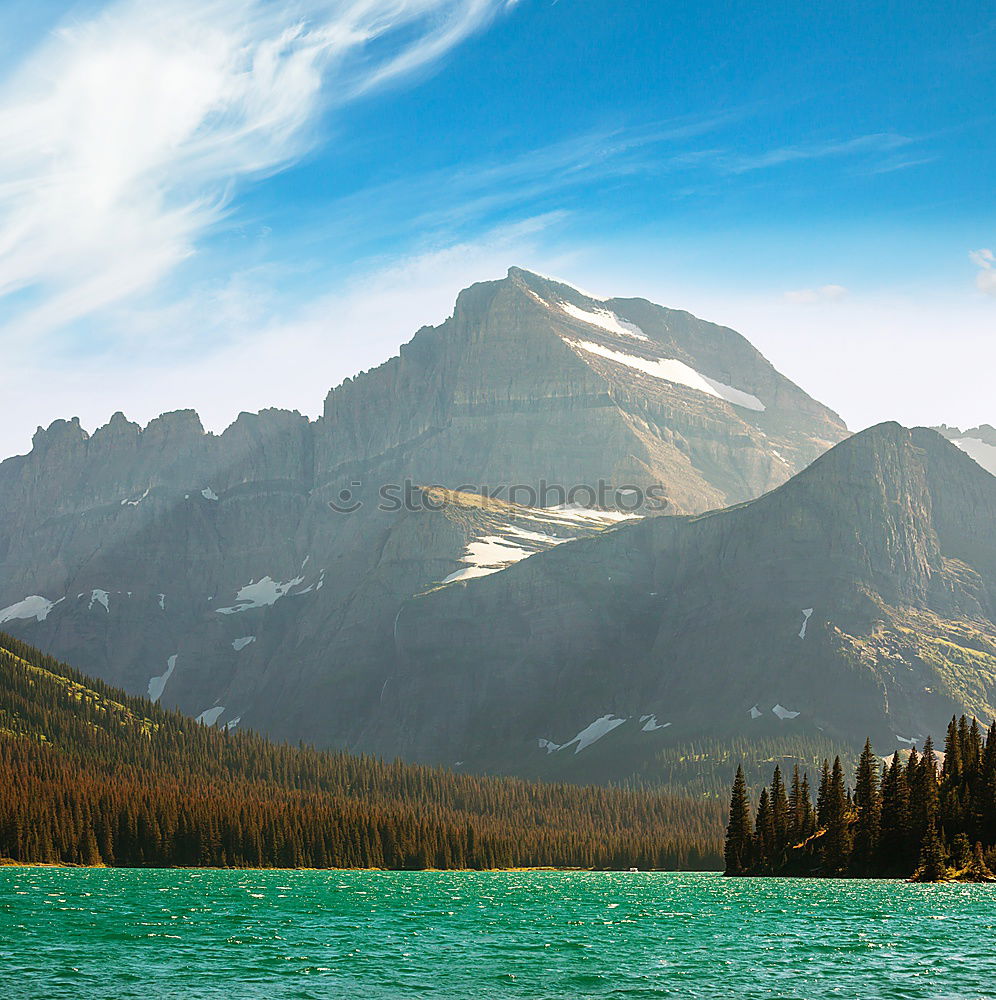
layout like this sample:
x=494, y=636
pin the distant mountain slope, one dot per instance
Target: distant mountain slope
x=90, y=775
x=979, y=442
x=209, y=571
x=860, y=597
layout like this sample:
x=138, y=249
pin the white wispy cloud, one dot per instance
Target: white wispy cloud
x=872, y=144
x=476, y=192
x=124, y=138
x=985, y=277
x=809, y=296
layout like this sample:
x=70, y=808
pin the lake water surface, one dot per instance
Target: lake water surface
x=78, y=933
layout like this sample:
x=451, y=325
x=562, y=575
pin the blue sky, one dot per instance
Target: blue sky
x=237, y=203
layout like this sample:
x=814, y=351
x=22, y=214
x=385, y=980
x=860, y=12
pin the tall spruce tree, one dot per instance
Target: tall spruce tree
x=808, y=817
x=932, y=866
x=868, y=804
x=796, y=809
x=738, y=852
x=821, y=795
x=952, y=752
x=764, y=834
x=896, y=831
x=927, y=789
x=779, y=818
x=837, y=840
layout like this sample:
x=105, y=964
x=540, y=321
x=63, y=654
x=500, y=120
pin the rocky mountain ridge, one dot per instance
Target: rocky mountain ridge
x=860, y=597
x=211, y=569
x=979, y=442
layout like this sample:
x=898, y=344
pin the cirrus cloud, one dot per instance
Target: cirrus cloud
x=985, y=277
x=124, y=138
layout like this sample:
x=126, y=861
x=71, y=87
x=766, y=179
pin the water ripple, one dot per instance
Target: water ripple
x=219, y=935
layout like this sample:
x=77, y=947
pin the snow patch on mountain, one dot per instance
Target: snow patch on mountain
x=492, y=553
x=606, y=320
x=755, y=713
x=984, y=454
x=584, y=739
x=503, y=543
x=783, y=713
x=536, y=536
x=99, y=597
x=672, y=370
x=239, y=644
x=210, y=715
x=651, y=725
x=137, y=500
x=260, y=594
x=209, y=494
x=158, y=684
x=806, y=615
x=589, y=515
x=35, y=606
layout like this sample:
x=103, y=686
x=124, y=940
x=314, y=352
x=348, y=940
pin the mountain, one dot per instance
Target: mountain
x=531, y=380
x=979, y=442
x=89, y=775
x=210, y=573
x=858, y=598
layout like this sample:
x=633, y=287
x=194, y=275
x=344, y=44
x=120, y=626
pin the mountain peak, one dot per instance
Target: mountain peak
x=553, y=290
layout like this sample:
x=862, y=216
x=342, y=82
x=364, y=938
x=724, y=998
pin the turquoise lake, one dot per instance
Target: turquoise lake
x=77, y=933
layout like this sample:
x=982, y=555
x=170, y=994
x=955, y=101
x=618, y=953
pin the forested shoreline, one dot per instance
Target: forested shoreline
x=917, y=817
x=90, y=775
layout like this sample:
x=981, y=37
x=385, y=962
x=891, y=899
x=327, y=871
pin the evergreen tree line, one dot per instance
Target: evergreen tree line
x=907, y=817
x=703, y=766
x=90, y=775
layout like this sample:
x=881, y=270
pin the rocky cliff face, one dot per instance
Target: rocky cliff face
x=859, y=598
x=209, y=570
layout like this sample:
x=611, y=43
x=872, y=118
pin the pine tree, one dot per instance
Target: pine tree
x=837, y=839
x=808, y=818
x=796, y=809
x=926, y=797
x=764, y=835
x=822, y=816
x=896, y=832
x=952, y=753
x=739, y=834
x=868, y=803
x=932, y=867
x=779, y=818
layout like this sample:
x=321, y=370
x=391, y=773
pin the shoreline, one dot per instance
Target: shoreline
x=10, y=863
